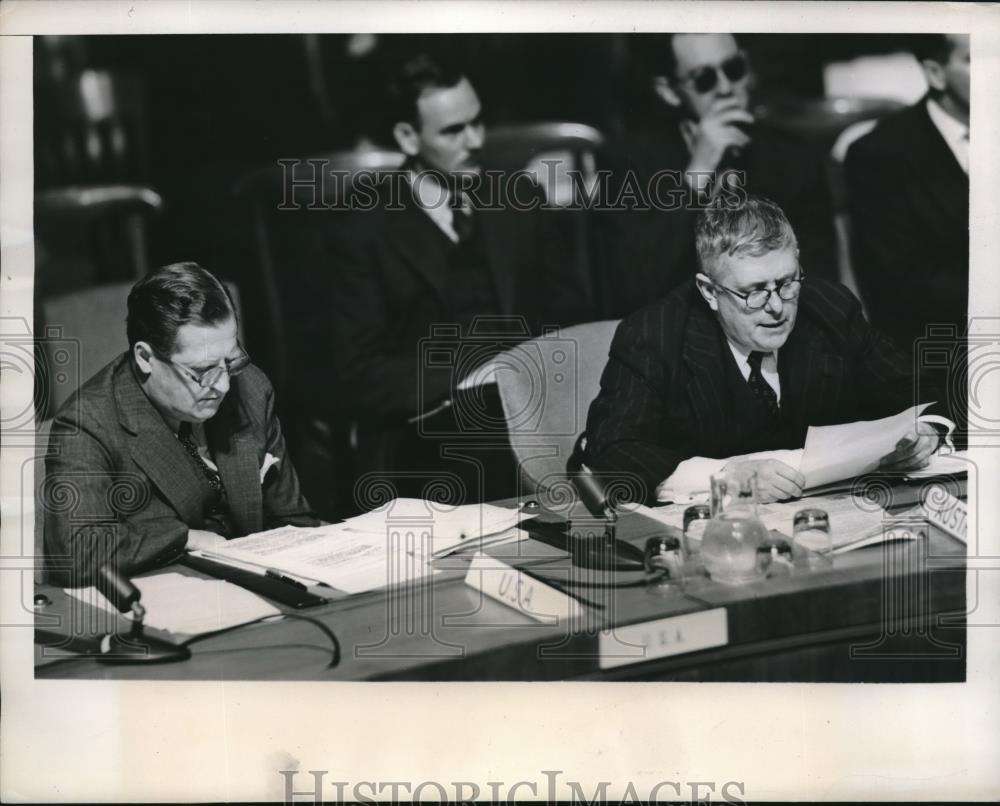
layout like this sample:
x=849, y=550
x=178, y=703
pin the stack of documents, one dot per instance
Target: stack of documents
x=387, y=546
x=187, y=605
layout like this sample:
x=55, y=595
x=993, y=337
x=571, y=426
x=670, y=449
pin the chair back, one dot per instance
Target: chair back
x=562, y=157
x=82, y=332
x=546, y=387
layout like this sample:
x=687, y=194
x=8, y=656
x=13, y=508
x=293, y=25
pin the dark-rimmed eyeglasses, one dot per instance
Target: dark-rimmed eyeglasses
x=705, y=79
x=211, y=376
x=757, y=299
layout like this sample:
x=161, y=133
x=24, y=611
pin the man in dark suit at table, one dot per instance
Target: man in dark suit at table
x=703, y=140
x=908, y=191
x=440, y=275
x=743, y=359
x=174, y=445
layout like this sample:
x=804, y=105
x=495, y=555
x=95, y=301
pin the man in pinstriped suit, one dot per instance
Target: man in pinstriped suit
x=743, y=359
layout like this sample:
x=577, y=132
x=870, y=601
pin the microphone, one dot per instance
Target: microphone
x=137, y=647
x=604, y=551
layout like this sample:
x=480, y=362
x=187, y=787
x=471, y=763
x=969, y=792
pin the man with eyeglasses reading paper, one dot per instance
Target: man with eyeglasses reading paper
x=700, y=141
x=174, y=445
x=741, y=360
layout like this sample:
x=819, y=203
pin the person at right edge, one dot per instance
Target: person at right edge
x=908, y=191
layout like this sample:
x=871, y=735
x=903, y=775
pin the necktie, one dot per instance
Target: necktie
x=217, y=517
x=214, y=479
x=762, y=389
x=463, y=222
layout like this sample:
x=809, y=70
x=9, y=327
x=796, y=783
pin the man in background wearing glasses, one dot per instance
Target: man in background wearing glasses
x=174, y=445
x=701, y=128
x=743, y=359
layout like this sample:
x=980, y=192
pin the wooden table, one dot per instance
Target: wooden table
x=889, y=613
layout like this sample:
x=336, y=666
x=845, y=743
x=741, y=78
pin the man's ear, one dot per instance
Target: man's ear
x=407, y=138
x=143, y=355
x=707, y=290
x=934, y=73
x=663, y=88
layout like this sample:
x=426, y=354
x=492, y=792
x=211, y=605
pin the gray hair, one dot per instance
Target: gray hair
x=755, y=227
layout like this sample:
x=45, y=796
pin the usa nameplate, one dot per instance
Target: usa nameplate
x=945, y=511
x=674, y=635
x=527, y=595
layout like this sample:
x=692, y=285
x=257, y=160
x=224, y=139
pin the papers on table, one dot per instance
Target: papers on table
x=387, y=546
x=187, y=605
x=836, y=452
x=943, y=464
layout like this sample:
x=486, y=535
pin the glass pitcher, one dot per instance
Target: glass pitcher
x=730, y=545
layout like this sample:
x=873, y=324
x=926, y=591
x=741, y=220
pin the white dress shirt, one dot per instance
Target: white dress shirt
x=435, y=200
x=954, y=132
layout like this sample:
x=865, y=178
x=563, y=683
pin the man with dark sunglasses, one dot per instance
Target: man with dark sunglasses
x=174, y=445
x=701, y=141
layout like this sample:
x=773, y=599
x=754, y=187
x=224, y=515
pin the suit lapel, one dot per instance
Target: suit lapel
x=809, y=374
x=501, y=238
x=230, y=439
x=154, y=447
x=419, y=242
x=703, y=354
x=935, y=161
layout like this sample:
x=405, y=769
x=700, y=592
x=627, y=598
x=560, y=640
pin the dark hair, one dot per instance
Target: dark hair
x=754, y=228
x=413, y=78
x=657, y=55
x=933, y=47
x=176, y=295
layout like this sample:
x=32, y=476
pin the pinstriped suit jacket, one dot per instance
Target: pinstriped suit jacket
x=671, y=388
x=119, y=484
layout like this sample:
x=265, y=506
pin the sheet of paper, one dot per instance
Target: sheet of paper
x=943, y=464
x=188, y=605
x=448, y=525
x=834, y=452
x=348, y=560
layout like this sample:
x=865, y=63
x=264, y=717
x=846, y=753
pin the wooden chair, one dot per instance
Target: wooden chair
x=92, y=206
x=552, y=152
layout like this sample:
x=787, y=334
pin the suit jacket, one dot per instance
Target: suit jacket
x=648, y=251
x=672, y=390
x=384, y=275
x=120, y=485
x=909, y=205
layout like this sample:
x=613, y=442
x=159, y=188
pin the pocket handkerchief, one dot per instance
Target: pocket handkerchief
x=270, y=460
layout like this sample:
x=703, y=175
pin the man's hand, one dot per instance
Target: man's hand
x=717, y=131
x=914, y=450
x=776, y=481
x=201, y=540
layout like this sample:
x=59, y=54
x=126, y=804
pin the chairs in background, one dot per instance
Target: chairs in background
x=563, y=157
x=92, y=207
x=546, y=387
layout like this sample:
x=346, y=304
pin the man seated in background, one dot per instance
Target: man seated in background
x=430, y=284
x=743, y=358
x=908, y=191
x=174, y=445
x=703, y=129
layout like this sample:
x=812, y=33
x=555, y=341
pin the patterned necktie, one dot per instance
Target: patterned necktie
x=214, y=479
x=762, y=389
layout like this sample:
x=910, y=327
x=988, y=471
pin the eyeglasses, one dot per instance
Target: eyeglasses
x=211, y=376
x=755, y=300
x=704, y=79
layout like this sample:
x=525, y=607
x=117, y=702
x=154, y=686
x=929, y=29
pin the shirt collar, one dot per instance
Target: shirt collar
x=951, y=129
x=742, y=357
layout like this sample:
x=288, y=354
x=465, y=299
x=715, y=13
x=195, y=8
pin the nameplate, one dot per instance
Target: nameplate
x=527, y=595
x=946, y=512
x=675, y=635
